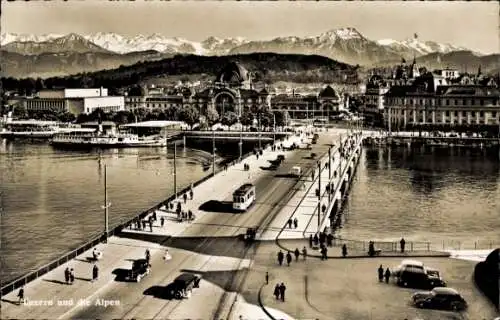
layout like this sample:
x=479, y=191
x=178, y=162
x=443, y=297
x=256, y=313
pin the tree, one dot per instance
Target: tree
x=20, y=112
x=229, y=118
x=121, y=117
x=247, y=118
x=282, y=118
x=190, y=115
x=212, y=115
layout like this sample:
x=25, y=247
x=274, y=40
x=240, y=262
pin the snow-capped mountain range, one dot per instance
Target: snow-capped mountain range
x=342, y=38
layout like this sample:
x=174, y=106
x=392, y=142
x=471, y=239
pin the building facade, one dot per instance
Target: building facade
x=74, y=101
x=427, y=103
x=327, y=102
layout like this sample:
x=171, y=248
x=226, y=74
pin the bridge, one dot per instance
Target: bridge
x=267, y=136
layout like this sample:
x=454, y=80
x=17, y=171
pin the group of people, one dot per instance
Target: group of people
x=69, y=275
x=322, y=239
x=279, y=291
x=382, y=274
x=295, y=223
x=281, y=256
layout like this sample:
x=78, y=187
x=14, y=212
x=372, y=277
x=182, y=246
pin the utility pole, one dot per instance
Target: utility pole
x=241, y=139
x=106, y=205
x=213, y=152
x=260, y=129
x=319, y=196
x=175, y=170
x=274, y=128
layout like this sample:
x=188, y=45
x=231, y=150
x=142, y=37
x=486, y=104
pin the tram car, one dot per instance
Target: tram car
x=244, y=197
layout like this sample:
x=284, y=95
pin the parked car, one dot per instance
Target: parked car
x=434, y=277
x=280, y=157
x=411, y=273
x=440, y=298
x=407, y=263
x=140, y=268
x=183, y=285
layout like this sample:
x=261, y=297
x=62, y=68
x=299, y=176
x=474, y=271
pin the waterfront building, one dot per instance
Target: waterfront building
x=75, y=101
x=374, y=100
x=327, y=102
x=431, y=102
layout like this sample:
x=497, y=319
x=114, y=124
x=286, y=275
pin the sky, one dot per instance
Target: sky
x=474, y=25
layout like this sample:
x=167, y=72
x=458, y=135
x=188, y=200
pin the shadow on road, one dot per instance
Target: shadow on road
x=121, y=274
x=217, y=206
x=160, y=292
x=55, y=281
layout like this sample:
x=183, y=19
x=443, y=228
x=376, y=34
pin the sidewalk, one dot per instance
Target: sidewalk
x=55, y=299
x=304, y=205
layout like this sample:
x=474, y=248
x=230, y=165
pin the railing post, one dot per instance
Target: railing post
x=411, y=246
x=475, y=245
x=428, y=246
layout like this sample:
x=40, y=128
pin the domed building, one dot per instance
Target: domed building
x=232, y=91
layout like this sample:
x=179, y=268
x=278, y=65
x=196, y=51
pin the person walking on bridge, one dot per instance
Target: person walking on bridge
x=304, y=253
x=66, y=275
x=297, y=254
x=380, y=274
x=282, y=291
x=20, y=295
x=402, y=244
x=281, y=256
x=185, y=197
x=288, y=258
x=387, y=275
x=95, y=273
x=277, y=291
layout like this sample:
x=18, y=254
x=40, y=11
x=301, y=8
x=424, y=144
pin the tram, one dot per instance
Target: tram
x=244, y=197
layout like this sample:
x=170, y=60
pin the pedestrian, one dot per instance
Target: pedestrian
x=290, y=223
x=315, y=239
x=329, y=240
x=344, y=250
x=154, y=215
x=297, y=254
x=190, y=215
x=324, y=253
x=162, y=221
x=66, y=275
x=310, y=241
x=267, y=277
x=20, y=295
x=402, y=245
x=191, y=194
x=295, y=223
x=148, y=255
x=282, y=291
x=95, y=273
x=71, y=276
x=288, y=258
x=387, y=275
x=277, y=291
x=304, y=253
x=185, y=197
x=150, y=226
x=280, y=257
x=380, y=273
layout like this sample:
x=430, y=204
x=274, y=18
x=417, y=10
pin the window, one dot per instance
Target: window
x=447, y=102
x=481, y=102
x=456, y=102
x=473, y=113
x=494, y=114
x=464, y=114
x=481, y=114
x=464, y=102
x=456, y=113
x=447, y=113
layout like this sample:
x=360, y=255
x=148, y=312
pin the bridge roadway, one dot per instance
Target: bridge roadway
x=209, y=246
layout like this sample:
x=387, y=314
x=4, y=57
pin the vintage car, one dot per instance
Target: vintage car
x=140, y=268
x=434, y=277
x=183, y=285
x=440, y=298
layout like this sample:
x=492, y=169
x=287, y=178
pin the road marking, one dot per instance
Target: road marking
x=87, y=298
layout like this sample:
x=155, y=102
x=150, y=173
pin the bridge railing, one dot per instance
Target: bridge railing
x=99, y=238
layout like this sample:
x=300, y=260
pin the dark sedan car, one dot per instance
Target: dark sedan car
x=440, y=298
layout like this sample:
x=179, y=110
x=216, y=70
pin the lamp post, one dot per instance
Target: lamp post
x=241, y=138
x=274, y=128
x=175, y=170
x=213, y=152
x=106, y=205
x=260, y=142
x=319, y=196
x=1, y=263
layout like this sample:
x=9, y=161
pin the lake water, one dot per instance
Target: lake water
x=447, y=196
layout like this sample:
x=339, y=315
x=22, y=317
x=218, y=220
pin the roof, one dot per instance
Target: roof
x=186, y=277
x=328, y=92
x=153, y=124
x=412, y=262
x=244, y=188
x=233, y=72
x=445, y=290
x=95, y=123
x=32, y=122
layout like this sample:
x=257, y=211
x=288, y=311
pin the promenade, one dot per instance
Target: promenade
x=49, y=297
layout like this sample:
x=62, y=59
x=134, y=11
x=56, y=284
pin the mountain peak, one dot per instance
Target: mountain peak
x=346, y=33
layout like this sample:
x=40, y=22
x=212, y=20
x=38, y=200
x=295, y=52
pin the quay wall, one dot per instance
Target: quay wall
x=101, y=237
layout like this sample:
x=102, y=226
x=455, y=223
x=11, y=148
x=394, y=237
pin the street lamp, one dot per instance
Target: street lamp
x=319, y=195
x=106, y=205
x=213, y=152
x=241, y=138
x=175, y=170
